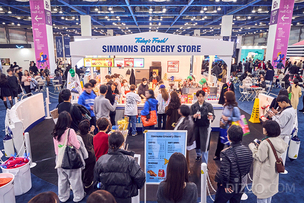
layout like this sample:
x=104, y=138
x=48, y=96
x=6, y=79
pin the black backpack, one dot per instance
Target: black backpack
x=86, y=114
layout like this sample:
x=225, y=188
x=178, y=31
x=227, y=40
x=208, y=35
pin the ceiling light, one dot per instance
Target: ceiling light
x=112, y=11
x=62, y=18
x=55, y=9
x=253, y=11
x=205, y=9
x=249, y=17
x=60, y=11
x=13, y=23
x=164, y=10
x=202, y=11
x=76, y=23
x=219, y=8
x=96, y=9
x=110, y=8
x=1, y=9
x=259, y=9
x=9, y=12
x=217, y=0
x=18, y=24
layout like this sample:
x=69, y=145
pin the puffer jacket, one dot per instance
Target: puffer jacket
x=228, y=172
x=119, y=173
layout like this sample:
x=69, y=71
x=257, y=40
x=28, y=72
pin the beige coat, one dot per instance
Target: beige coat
x=265, y=178
x=295, y=95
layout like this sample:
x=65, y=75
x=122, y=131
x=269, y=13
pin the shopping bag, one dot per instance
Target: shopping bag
x=243, y=124
x=224, y=137
x=149, y=120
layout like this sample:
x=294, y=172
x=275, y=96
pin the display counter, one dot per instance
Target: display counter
x=215, y=124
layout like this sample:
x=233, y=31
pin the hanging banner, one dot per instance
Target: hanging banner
x=66, y=41
x=59, y=47
x=98, y=62
x=38, y=15
x=284, y=18
x=159, y=146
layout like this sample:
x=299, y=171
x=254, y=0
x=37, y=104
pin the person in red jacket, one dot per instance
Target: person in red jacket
x=100, y=140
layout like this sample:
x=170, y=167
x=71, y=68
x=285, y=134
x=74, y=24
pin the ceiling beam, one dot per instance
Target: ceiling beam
x=80, y=11
x=181, y=13
x=235, y=11
x=5, y=3
x=132, y=14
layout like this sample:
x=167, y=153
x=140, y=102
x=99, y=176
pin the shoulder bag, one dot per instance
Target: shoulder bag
x=280, y=168
x=150, y=119
x=71, y=158
x=290, y=92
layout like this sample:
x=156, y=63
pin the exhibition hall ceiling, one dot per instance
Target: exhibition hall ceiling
x=134, y=16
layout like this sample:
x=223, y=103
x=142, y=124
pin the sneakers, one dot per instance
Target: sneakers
x=134, y=134
x=198, y=158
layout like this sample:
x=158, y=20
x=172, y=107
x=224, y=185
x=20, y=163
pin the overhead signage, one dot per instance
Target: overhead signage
x=119, y=62
x=98, y=62
x=159, y=146
x=151, y=43
x=59, y=46
x=138, y=63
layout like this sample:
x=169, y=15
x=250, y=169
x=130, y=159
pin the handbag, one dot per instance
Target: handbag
x=290, y=93
x=61, y=150
x=243, y=124
x=71, y=158
x=150, y=119
x=280, y=168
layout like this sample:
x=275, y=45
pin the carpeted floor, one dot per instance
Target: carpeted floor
x=44, y=176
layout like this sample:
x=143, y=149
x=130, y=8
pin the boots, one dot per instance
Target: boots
x=11, y=103
x=5, y=104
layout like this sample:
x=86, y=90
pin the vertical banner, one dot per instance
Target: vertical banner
x=38, y=14
x=279, y=30
x=66, y=41
x=234, y=39
x=284, y=18
x=59, y=47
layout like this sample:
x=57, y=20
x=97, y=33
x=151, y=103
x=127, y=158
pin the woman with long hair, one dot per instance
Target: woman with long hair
x=118, y=172
x=172, y=110
x=6, y=91
x=296, y=93
x=177, y=188
x=163, y=101
x=150, y=105
x=45, y=197
x=230, y=113
x=67, y=177
x=26, y=79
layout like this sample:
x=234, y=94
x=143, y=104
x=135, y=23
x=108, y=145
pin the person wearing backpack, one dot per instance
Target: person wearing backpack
x=66, y=105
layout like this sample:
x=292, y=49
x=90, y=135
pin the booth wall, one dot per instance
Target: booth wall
x=21, y=56
x=184, y=65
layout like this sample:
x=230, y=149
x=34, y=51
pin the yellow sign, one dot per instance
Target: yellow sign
x=202, y=172
x=99, y=62
x=255, y=112
x=166, y=161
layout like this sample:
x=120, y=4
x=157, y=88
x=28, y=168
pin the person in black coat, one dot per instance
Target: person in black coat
x=237, y=159
x=226, y=87
x=33, y=68
x=13, y=83
x=112, y=92
x=5, y=90
x=118, y=172
x=142, y=88
x=286, y=80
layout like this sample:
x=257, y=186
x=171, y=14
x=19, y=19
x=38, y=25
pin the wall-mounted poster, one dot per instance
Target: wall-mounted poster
x=139, y=63
x=5, y=61
x=173, y=66
x=252, y=54
x=118, y=62
x=129, y=62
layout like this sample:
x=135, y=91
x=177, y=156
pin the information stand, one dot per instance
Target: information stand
x=159, y=146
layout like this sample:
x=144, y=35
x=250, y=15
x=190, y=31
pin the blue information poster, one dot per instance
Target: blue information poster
x=159, y=146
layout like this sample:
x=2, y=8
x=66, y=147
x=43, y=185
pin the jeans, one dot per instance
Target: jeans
x=112, y=117
x=132, y=121
x=267, y=200
x=204, y=155
x=148, y=128
x=162, y=117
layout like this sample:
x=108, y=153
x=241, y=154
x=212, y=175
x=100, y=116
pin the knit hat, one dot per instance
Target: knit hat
x=162, y=86
x=202, y=81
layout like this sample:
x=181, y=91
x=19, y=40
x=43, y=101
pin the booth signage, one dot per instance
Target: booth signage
x=159, y=146
x=98, y=62
x=128, y=62
x=173, y=67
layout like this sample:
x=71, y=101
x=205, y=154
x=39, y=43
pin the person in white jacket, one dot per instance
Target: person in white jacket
x=163, y=102
x=132, y=99
x=285, y=119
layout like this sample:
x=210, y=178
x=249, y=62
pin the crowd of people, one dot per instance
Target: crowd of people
x=112, y=171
